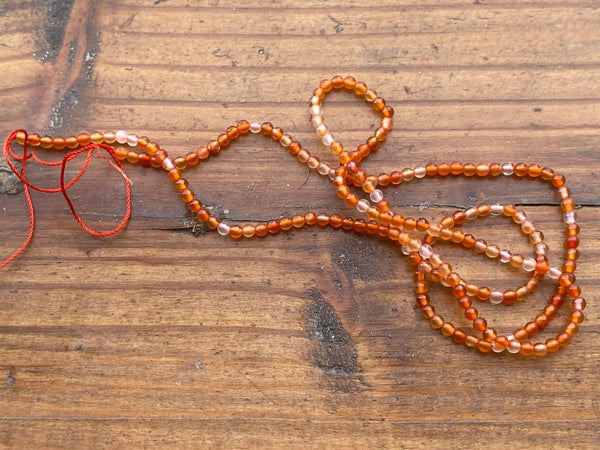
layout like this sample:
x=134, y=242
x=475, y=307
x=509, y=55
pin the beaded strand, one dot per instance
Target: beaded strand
x=415, y=236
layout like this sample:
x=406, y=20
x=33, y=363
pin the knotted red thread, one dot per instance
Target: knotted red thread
x=63, y=187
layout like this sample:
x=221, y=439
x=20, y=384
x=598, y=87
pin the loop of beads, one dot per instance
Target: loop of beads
x=415, y=236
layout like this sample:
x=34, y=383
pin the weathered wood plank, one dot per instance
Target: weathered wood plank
x=156, y=336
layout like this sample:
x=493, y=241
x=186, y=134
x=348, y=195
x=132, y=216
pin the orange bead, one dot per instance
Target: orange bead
x=273, y=226
x=20, y=137
x=261, y=230
x=96, y=137
x=46, y=142
x=298, y=221
x=310, y=218
x=132, y=157
x=84, y=139
x=236, y=232
x=285, y=223
x=526, y=348
x=335, y=220
x=243, y=126
x=34, y=140
x=59, y=143
x=248, y=231
x=322, y=220
x=187, y=196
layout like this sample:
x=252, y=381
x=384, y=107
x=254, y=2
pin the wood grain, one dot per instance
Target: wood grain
x=165, y=335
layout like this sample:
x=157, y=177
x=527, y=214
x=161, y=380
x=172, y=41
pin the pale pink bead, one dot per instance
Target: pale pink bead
x=376, y=196
x=414, y=245
x=507, y=169
x=514, y=346
x=387, y=123
x=420, y=172
x=168, y=164
x=578, y=304
x=223, y=229
x=480, y=245
x=331, y=174
x=316, y=121
x=436, y=259
x=363, y=205
x=529, y=264
x=121, y=136
x=312, y=162
x=315, y=110
x=405, y=250
x=327, y=139
x=255, y=127
x=563, y=192
x=496, y=210
x=425, y=251
x=504, y=256
x=132, y=140
x=570, y=217
x=285, y=140
x=496, y=297
x=314, y=100
x=323, y=169
x=541, y=249
x=471, y=213
x=554, y=273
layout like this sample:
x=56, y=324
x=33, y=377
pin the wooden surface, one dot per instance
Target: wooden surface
x=162, y=336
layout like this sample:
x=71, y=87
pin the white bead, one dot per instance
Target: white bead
x=376, y=196
x=529, y=264
x=554, y=273
x=420, y=172
x=168, y=164
x=255, y=127
x=331, y=174
x=496, y=210
x=541, y=249
x=363, y=205
x=132, y=140
x=223, y=229
x=570, y=217
x=504, y=256
x=315, y=110
x=496, y=297
x=121, y=136
x=316, y=121
x=327, y=139
x=507, y=169
x=425, y=251
x=405, y=250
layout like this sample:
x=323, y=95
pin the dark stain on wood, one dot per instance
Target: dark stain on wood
x=332, y=351
x=50, y=38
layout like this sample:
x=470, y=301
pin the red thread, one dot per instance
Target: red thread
x=22, y=175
